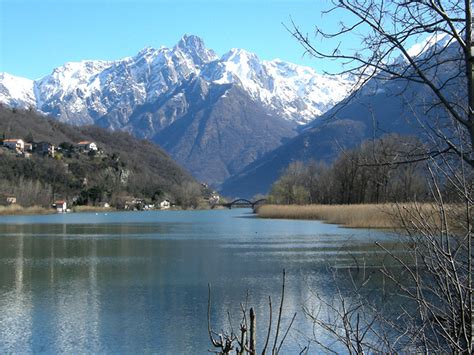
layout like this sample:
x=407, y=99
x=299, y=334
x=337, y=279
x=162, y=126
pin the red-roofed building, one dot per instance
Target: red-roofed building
x=16, y=144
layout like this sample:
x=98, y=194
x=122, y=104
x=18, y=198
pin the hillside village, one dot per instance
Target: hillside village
x=69, y=154
x=25, y=149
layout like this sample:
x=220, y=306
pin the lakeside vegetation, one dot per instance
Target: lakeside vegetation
x=20, y=210
x=383, y=216
x=370, y=186
x=92, y=209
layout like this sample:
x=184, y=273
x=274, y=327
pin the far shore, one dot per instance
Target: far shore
x=380, y=216
x=18, y=210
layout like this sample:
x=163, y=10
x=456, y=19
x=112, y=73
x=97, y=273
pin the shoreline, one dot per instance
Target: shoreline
x=16, y=210
x=85, y=208
x=370, y=216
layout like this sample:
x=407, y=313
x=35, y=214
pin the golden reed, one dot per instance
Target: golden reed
x=19, y=210
x=355, y=216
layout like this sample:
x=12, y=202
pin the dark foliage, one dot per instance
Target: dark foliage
x=124, y=166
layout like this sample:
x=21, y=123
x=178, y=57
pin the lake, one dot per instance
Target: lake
x=137, y=282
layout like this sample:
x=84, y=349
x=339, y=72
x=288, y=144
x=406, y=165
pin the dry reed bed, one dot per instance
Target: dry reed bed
x=92, y=209
x=385, y=216
x=19, y=210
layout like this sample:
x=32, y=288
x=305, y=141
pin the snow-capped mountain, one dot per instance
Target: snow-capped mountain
x=157, y=92
x=294, y=92
x=82, y=92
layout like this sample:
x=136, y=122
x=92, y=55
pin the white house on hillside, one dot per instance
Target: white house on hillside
x=17, y=144
x=86, y=145
x=165, y=204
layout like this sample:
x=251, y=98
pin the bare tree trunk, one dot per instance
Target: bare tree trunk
x=470, y=90
x=469, y=52
x=253, y=333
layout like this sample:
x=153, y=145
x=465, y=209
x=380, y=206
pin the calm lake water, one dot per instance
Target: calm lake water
x=137, y=282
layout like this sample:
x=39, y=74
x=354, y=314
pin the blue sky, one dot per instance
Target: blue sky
x=39, y=35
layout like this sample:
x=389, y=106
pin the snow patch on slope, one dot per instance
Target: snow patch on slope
x=430, y=43
x=16, y=91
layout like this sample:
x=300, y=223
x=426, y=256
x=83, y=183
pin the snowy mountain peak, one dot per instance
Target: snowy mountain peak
x=243, y=65
x=191, y=41
x=145, y=52
x=194, y=47
x=88, y=66
x=432, y=46
x=237, y=55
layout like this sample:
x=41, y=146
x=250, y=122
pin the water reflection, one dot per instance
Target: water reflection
x=137, y=282
x=15, y=303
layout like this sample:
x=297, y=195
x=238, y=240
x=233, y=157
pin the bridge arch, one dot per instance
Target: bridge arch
x=242, y=202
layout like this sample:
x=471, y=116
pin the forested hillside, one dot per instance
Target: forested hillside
x=122, y=169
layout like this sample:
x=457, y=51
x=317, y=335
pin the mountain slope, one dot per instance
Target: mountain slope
x=322, y=142
x=223, y=133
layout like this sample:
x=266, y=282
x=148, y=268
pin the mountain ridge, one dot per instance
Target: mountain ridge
x=190, y=56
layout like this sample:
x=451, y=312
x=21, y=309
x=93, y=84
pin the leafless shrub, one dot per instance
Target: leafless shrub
x=244, y=340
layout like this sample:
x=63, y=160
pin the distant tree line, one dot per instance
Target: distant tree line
x=375, y=172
